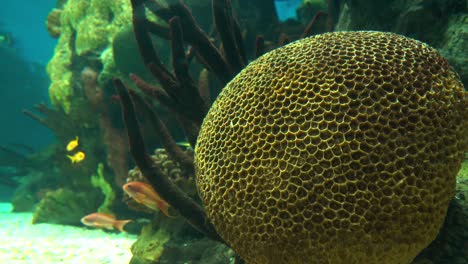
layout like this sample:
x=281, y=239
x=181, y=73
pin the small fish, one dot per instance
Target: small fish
x=105, y=221
x=73, y=144
x=77, y=157
x=184, y=144
x=5, y=39
x=145, y=194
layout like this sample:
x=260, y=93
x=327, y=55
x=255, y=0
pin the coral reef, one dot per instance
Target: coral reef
x=112, y=137
x=178, y=92
x=30, y=191
x=62, y=176
x=65, y=206
x=167, y=240
x=349, y=148
x=82, y=108
x=450, y=246
x=172, y=240
x=447, y=20
x=149, y=246
x=53, y=23
x=87, y=29
x=178, y=175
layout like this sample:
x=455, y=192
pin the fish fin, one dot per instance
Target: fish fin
x=119, y=224
x=164, y=207
x=71, y=158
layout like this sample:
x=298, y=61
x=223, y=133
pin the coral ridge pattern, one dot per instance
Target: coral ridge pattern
x=338, y=148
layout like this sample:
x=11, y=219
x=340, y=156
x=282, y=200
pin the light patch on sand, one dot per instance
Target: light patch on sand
x=24, y=243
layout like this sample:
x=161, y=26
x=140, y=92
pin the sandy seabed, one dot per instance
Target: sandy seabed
x=24, y=243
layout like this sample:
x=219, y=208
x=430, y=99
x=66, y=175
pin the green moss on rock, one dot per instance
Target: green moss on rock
x=99, y=181
x=88, y=28
x=65, y=206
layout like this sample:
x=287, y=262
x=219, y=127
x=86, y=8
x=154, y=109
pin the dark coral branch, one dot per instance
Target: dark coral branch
x=153, y=5
x=188, y=208
x=154, y=91
x=310, y=27
x=13, y=154
x=238, y=260
x=204, y=86
x=283, y=40
x=139, y=3
x=167, y=141
x=166, y=100
x=228, y=32
x=44, y=109
x=158, y=30
x=239, y=39
x=333, y=10
x=179, y=60
x=188, y=95
x=259, y=46
x=180, y=93
x=145, y=46
x=190, y=129
x=195, y=36
x=55, y=120
x=34, y=116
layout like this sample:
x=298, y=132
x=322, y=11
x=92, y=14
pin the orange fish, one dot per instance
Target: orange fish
x=106, y=221
x=145, y=194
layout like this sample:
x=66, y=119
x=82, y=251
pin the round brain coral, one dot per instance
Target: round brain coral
x=339, y=148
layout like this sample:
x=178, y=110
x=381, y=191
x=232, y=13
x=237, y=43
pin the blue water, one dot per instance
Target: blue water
x=23, y=79
x=287, y=8
x=25, y=22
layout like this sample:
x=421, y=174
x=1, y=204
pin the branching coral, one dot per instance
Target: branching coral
x=178, y=91
x=55, y=120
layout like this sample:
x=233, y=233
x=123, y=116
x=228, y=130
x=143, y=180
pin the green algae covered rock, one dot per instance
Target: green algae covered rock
x=65, y=206
x=172, y=240
x=149, y=246
x=87, y=29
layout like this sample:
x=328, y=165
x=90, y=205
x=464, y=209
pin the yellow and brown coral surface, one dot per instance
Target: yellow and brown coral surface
x=340, y=148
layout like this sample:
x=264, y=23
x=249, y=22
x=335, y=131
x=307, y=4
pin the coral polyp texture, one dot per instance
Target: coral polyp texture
x=339, y=148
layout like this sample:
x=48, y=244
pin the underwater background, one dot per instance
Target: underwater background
x=131, y=133
x=25, y=51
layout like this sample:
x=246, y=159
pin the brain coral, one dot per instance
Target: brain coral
x=340, y=148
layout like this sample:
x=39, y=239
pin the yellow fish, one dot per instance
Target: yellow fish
x=77, y=157
x=73, y=144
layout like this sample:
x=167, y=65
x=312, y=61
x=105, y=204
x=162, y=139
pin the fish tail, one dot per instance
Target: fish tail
x=164, y=207
x=119, y=224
